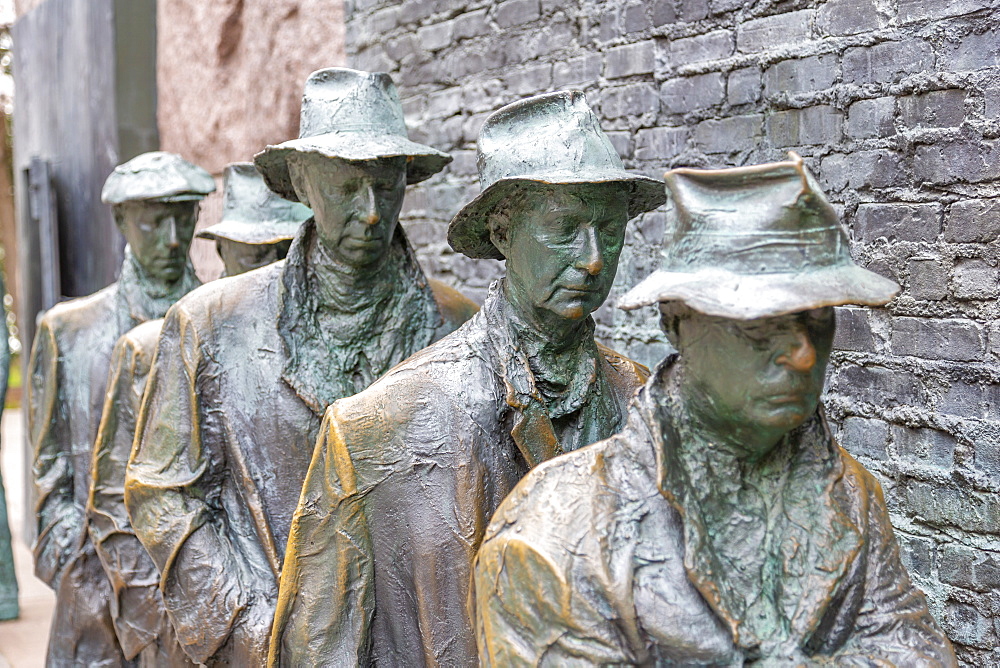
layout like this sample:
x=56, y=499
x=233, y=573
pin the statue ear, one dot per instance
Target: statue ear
x=118, y=213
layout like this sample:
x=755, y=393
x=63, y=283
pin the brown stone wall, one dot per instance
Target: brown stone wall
x=230, y=76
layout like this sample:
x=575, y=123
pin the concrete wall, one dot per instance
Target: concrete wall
x=894, y=105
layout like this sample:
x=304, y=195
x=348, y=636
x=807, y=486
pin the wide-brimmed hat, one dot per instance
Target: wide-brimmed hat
x=251, y=212
x=755, y=242
x=160, y=176
x=349, y=115
x=547, y=139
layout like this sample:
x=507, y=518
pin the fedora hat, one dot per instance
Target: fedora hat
x=755, y=242
x=349, y=115
x=548, y=139
x=251, y=212
x=159, y=176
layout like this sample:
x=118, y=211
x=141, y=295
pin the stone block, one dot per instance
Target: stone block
x=581, y=71
x=928, y=279
x=801, y=75
x=510, y=13
x=974, y=51
x=622, y=141
x=728, y=135
x=770, y=32
x=471, y=24
x=864, y=437
x=821, y=124
x=972, y=162
x=958, y=339
x=660, y=144
x=921, y=10
x=692, y=10
x=897, y=222
x=689, y=50
x=630, y=59
x=629, y=101
x=435, y=36
x=854, y=331
x=968, y=568
x=962, y=399
x=849, y=17
x=967, y=625
x=867, y=119
x=444, y=103
x=927, y=447
x=975, y=279
x=688, y=94
x=936, y=109
x=917, y=554
x=986, y=449
x=744, y=86
x=663, y=12
x=948, y=505
x=530, y=80
x=415, y=11
x=886, y=62
x=973, y=221
x=635, y=18
x=879, y=386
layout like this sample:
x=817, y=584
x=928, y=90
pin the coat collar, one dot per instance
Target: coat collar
x=140, y=298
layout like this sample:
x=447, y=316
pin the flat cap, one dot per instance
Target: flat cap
x=158, y=175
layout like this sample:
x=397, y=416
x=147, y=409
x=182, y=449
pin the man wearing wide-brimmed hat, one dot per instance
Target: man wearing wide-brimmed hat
x=256, y=229
x=407, y=474
x=246, y=366
x=723, y=526
x=154, y=199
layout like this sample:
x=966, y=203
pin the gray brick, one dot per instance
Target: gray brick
x=463, y=163
x=635, y=18
x=864, y=437
x=415, y=11
x=799, y=127
x=435, y=36
x=663, y=12
x=511, y=13
x=917, y=554
x=692, y=10
x=919, y=10
x=967, y=625
x=991, y=96
x=581, y=71
x=530, y=80
x=886, y=62
x=690, y=50
x=728, y=135
x=962, y=400
x=630, y=59
x=628, y=101
x=871, y=118
x=987, y=450
x=853, y=332
x=897, y=222
x=770, y=32
x=687, y=94
x=744, y=86
x=622, y=141
x=968, y=568
x=928, y=279
x=444, y=103
x=660, y=144
x=959, y=340
x=950, y=506
x=849, y=17
x=973, y=221
x=975, y=51
x=937, y=109
x=957, y=161
x=975, y=279
x=471, y=24
x=878, y=386
x=801, y=75
x=927, y=447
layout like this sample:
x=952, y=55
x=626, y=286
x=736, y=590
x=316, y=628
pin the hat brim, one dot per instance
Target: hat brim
x=469, y=231
x=257, y=233
x=748, y=297
x=423, y=161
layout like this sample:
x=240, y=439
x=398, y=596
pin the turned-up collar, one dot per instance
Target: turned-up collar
x=144, y=298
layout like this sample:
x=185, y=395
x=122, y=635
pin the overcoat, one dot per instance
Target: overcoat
x=403, y=483
x=67, y=376
x=607, y=556
x=243, y=372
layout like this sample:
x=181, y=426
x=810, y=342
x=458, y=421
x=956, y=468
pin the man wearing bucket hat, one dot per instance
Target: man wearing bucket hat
x=723, y=526
x=154, y=199
x=245, y=367
x=407, y=473
x=256, y=229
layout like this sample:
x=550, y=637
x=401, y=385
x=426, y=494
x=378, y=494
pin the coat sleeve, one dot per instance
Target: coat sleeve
x=59, y=521
x=174, y=487
x=137, y=606
x=326, y=595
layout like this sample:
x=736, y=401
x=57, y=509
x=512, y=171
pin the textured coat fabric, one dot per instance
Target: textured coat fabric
x=223, y=442
x=67, y=376
x=602, y=557
x=402, y=485
x=137, y=611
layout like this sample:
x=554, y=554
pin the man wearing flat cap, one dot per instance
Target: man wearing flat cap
x=154, y=199
x=407, y=474
x=723, y=526
x=256, y=229
x=246, y=366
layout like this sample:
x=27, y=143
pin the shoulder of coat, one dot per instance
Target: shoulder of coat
x=455, y=307
x=142, y=337
x=81, y=312
x=233, y=295
x=625, y=365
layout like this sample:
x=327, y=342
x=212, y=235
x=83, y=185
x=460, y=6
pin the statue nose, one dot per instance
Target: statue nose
x=591, y=258
x=802, y=354
x=370, y=210
x=172, y=239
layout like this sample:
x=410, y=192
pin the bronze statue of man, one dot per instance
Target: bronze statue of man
x=407, y=473
x=154, y=199
x=9, y=608
x=255, y=230
x=723, y=525
x=246, y=367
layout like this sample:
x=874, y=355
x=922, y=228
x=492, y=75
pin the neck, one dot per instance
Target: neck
x=342, y=278
x=554, y=333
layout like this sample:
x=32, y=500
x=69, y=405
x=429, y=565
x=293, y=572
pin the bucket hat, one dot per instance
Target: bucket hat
x=350, y=115
x=160, y=176
x=755, y=242
x=251, y=212
x=553, y=138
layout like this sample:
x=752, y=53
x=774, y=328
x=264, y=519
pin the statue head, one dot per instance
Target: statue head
x=257, y=226
x=351, y=162
x=155, y=199
x=554, y=205
x=754, y=263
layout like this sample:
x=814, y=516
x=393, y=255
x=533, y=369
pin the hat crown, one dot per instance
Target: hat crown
x=546, y=135
x=247, y=199
x=156, y=175
x=338, y=99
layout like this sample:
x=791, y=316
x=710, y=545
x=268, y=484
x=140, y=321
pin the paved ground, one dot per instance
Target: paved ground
x=22, y=641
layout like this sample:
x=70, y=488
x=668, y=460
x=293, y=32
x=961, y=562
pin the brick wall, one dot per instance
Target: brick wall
x=893, y=103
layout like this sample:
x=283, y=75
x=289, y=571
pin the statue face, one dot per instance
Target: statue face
x=759, y=378
x=240, y=257
x=562, y=248
x=159, y=234
x=356, y=204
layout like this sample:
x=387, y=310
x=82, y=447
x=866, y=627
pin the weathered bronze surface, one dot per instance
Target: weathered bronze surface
x=155, y=201
x=246, y=366
x=406, y=474
x=255, y=228
x=8, y=581
x=723, y=526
